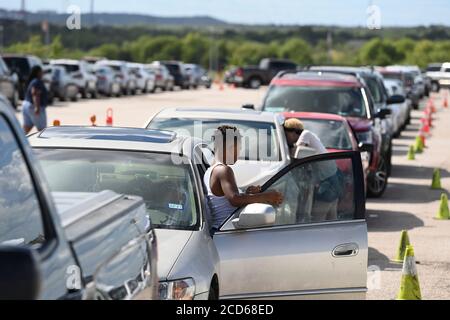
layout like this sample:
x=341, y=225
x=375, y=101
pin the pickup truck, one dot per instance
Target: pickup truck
x=256, y=76
x=67, y=245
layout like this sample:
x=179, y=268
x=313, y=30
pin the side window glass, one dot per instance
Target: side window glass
x=20, y=214
x=317, y=192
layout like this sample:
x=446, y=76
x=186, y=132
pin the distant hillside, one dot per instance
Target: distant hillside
x=112, y=19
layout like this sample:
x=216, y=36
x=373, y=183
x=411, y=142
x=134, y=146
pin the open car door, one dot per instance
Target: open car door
x=313, y=246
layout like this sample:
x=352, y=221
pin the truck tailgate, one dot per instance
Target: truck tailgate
x=83, y=213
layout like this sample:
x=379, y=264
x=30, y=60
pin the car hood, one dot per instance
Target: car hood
x=255, y=173
x=170, y=245
x=360, y=124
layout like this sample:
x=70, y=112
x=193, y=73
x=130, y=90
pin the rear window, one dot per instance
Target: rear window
x=333, y=134
x=434, y=69
x=19, y=65
x=173, y=68
x=70, y=68
x=344, y=101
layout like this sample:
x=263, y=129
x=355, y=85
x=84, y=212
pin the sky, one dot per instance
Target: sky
x=296, y=12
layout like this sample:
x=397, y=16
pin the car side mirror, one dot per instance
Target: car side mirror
x=20, y=276
x=248, y=106
x=255, y=216
x=383, y=113
x=396, y=99
x=366, y=147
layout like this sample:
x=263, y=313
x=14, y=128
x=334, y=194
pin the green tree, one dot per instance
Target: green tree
x=380, y=52
x=297, y=50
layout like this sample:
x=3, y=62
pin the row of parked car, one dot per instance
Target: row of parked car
x=129, y=218
x=67, y=79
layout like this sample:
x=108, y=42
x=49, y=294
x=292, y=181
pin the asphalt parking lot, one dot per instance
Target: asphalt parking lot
x=408, y=204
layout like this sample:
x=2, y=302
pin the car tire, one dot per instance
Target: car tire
x=214, y=291
x=255, y=83
x=378, y=181
x=15, y=100
x=84, y=94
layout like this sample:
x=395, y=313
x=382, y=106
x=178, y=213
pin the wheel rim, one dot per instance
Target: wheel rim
x=255, y=83
x=379, y=180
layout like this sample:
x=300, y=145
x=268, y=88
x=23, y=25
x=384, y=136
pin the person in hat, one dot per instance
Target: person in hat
x=326, y=176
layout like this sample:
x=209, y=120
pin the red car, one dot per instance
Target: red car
x=336, y=135
x=336, y=94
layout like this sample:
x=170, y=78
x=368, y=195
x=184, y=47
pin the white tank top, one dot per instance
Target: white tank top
x=220, y=206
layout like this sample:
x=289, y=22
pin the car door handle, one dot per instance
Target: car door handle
x=346, y=250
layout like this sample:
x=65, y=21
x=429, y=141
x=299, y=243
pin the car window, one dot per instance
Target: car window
x=20, y=214
x=168, y=189
x=70, y=67
x=344, y=101
x=259, y=139
x=333, y=134
x=375, y=89
x=19, y=65
x=316, y=192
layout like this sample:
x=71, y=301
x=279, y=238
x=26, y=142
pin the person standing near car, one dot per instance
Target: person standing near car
x=326, y=175
x=35, y=103
x=224, y=196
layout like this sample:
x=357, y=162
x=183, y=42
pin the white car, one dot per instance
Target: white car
x=81, y=75
x=419, y=81
x=264, y=150
x=400, y=111
x=145, y=78
x=123, y=74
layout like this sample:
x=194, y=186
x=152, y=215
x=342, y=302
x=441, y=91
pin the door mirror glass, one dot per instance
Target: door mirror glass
x=383, y=113
x=20, y=277
x=396, y=99
x=255, y=216
x=366, y=147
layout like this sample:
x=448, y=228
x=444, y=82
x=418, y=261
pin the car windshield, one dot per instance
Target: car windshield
x=333, y=134
x=259, y=139
x=167, y=188
x=344, y=101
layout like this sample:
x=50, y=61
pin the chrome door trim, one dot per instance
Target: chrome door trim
x=282, y=294
x=294, y=226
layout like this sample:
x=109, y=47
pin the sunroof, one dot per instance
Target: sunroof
x=109, y=133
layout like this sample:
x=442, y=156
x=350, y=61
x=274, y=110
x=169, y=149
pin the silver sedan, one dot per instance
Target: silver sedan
x=313, y=246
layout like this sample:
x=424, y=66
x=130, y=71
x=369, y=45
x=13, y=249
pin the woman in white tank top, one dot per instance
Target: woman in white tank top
x=224, y=196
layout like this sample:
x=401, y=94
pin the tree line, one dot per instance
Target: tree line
x=221, y=48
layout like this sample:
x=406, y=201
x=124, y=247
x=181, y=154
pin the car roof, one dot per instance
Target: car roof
x=218, y=113
x=111, y=138
x=316, y=78
x=314, y=115
x=65, y=61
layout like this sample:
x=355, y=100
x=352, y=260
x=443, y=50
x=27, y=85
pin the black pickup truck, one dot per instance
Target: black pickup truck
x=67, y=245
x=256, y=76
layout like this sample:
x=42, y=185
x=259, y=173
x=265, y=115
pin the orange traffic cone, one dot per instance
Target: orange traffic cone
x=109, y=117
x=422, y=137
x=56, y=123
x=93, y=120
x=446, y=103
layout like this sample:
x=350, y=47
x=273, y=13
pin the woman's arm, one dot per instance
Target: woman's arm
x=36, y=97
x=231, y=191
